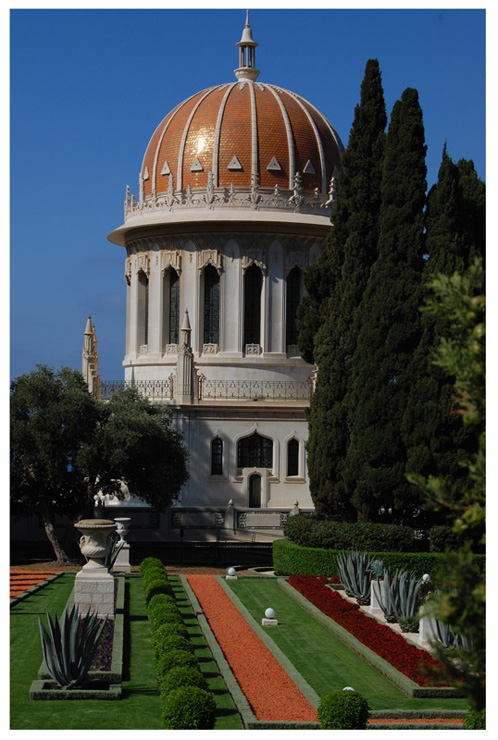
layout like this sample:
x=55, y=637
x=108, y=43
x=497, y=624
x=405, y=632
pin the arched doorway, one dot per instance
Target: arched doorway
x=255, y=491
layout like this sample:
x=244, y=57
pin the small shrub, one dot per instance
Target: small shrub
x=170, y=628
x=159, y=601
x=157, y=587
x=148, y=563
x=163, y=642
x=343, y=710
x=475, y=720
x=188, y=708
x=172, y=659
x=165, y=617
x=183, y=676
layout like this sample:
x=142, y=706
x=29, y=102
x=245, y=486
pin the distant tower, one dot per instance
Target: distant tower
x=90, y=359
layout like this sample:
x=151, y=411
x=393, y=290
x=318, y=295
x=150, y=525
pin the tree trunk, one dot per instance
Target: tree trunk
x=60, y=554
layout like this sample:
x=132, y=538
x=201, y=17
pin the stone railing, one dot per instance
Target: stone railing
x=215, y=390
x=254, y=390
x=154, y=390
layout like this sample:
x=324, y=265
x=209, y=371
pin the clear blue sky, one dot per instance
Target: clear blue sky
x=88, y=88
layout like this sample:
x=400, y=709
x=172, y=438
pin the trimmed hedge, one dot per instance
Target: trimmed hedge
x=343, y=710
x=310, y=532
x=183, y=676
x=186, y=703
x=189, y=708
x=292, y=559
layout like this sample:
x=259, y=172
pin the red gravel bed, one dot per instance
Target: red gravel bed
x=272, y=694
x=21, y=581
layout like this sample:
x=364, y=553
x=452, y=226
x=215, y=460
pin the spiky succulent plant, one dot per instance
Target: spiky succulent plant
x=69, y=645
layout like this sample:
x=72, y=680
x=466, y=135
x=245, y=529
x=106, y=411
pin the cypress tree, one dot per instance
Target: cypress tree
x=388, y=326
x=435, y=438
x=351, y=250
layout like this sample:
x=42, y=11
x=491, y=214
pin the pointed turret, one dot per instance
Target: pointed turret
x=90, y=359
x=247, y=54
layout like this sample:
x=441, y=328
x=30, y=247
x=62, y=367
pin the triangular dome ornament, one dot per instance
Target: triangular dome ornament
x=274, y=165
x=197, y=166
x=165, y=170
x=234, y=164
x=308, y=168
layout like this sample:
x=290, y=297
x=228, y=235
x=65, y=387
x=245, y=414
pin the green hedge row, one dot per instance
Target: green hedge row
x=311, y=532
x=308, y=531
x=186, y=702
x=289, y=558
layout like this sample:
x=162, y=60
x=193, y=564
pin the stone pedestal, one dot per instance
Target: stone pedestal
x=269, y=622
x=122, y=562
x=94, y=592
x=427, y=629
x=374, y=596
x=94, y=585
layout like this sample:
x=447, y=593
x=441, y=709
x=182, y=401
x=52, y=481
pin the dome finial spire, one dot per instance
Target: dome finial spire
x=247, y=55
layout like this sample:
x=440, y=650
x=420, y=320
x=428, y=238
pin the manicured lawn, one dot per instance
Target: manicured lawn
x=140, y=707
x=323, y=660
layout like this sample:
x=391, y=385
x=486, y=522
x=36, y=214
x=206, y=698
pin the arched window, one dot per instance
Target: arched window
x=292, y=303
x=211, y=305
x=253, y=281
x=143, y=308
x=255, y=452
x=171, y=307
x=217, y=456
x=293, y=457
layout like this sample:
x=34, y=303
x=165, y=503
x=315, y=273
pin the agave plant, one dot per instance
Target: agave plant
x=69, y=645
x=384, y=596
x=355, y=575
x=406, y=600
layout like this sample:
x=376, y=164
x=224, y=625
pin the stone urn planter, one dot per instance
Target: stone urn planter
x=123, y=525
x=95, y=541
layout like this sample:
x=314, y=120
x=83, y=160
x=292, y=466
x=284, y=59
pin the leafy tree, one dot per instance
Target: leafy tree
x=65, y=446
x=437, y=442
x=388, y=328
x=351, y=250
x=461, y=603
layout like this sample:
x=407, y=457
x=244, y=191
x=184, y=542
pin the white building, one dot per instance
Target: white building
x=235, y=198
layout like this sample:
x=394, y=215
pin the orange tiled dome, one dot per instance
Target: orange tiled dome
x=239, y=129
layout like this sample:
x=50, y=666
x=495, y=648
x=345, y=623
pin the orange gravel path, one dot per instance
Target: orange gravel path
x=22, y=581
x=272, y=695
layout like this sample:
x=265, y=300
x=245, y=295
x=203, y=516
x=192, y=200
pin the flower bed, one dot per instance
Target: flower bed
x=392, y=647
x=273, y=696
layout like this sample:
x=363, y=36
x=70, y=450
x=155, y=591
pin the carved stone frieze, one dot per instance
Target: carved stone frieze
x=210, y=257
x=171, y=258
x=142, y=263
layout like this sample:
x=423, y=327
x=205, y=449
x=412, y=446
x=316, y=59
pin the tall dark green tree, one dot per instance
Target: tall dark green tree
x=388, y=328
x=351, y=251
x=437, y=443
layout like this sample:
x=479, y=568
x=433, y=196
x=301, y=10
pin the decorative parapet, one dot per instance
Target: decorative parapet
x=214, y=390
x=253, y=390
x=255, y=198
x=154, y=390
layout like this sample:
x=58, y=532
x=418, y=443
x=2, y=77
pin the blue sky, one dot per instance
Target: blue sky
x=88, y=88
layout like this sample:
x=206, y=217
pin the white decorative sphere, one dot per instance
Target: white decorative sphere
x=426, y=577
x=231, y=571
x=348, y=688
x=270, y=613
